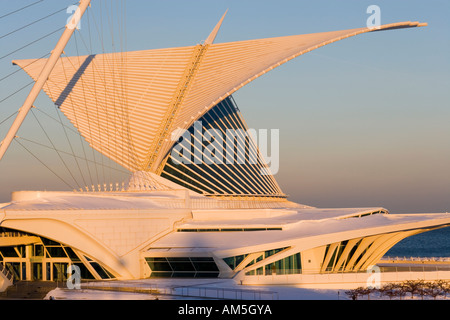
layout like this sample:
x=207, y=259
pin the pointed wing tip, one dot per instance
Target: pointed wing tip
x=214, y=33
x=399, y=25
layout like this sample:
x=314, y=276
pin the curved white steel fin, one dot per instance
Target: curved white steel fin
x=120, y=112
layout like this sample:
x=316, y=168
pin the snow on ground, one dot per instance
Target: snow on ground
x=184, y=289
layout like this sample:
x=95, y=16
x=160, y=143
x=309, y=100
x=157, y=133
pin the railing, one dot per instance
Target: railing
x=12, y=234
x=417, y=265
x=6, y=272
x=210, y=203
x=224, y=293
x=202, y=292
x=417, y=268
x=416, y=259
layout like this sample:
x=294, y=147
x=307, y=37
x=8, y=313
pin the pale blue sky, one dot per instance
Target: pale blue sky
x=363, y=122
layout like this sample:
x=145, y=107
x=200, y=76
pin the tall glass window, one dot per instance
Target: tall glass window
x=183, y=267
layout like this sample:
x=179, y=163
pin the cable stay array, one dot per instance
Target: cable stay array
x=126, y=105
x=47, y=135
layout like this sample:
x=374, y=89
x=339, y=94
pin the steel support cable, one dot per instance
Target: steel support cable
x=126, y=142
x=99, y=27
x=64, y=127
x=115, y=101
x=2, y=122
x=71, y=149
x=20, y=69
x=65, y=132
x=128, y=151
x=56, y=150
x=56, y=120
x=101, y=40
x=16, y=92
x=85, y=158
x=132, y=158
x=110, y=24
x=119, y=115
x=124, y=48
x=87, y=115
x=64, y=152
x=125, y=124
x=31, y=23
x=31, y=43
x=67, y=184
x=18, y=10
x=86, y=90
x=90, y=50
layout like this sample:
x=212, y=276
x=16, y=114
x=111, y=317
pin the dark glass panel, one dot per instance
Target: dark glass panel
x=60, y=271
x=207, y=274
x=161, y=274
x=8, y=252
x=85, y=273
x=205, y=266
x=159, y=266
x=38, y=250
x=37, y=271
x=72, y=255
x=56, y=252
x=48, y=242
x=182, y=266
x=100, y=271
x=183, y=275
x=48, y=269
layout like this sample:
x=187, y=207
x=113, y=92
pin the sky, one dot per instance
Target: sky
x=363, y=122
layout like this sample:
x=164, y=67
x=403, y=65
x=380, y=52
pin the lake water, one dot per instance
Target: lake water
x=429, y=244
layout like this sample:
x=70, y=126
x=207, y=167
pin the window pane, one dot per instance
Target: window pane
x=9, y=252
x=85, y=273
x=48, y=242
x=205, y=266
x=72, y=255
x=182, y=266
x=60, y=271
x=38, y=250
x=101, y=272
x=56, y=252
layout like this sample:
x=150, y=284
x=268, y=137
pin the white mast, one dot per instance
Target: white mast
x=45, y=73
